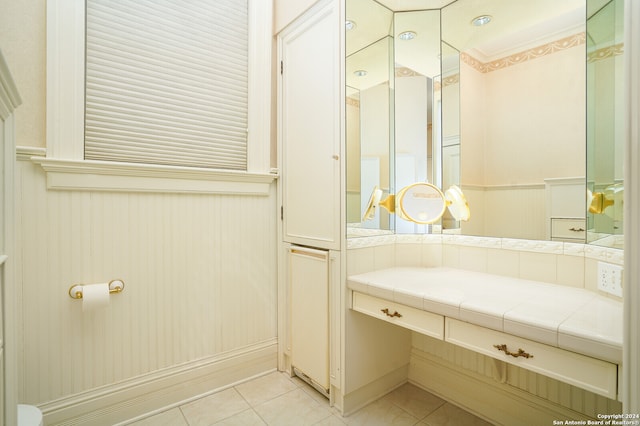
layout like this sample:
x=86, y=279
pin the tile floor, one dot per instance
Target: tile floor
x=278, y=400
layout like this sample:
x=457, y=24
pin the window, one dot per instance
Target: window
x=166, y=82
x=123, y=134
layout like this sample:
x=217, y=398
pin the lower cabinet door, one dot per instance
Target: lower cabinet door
x=588, y=373
x=309, y=285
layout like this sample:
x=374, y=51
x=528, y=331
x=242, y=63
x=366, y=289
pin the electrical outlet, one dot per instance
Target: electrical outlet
x=610, y=278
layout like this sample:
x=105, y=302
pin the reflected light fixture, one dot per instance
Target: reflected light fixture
x=350, y=25
x=360, y=73
x=481, y=20
x=407, y=35
x=420, y=202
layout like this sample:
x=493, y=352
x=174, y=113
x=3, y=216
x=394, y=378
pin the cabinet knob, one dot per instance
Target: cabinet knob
x=335, y=157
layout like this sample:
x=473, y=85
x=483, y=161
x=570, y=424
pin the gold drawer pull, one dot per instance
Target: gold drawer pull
x=394, y=314
x=576, y=229
x=520, y=352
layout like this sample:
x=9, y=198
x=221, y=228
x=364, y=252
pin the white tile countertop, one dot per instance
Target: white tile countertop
x=570, y=318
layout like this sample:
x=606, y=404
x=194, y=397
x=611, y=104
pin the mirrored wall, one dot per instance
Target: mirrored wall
x=605, y=143
x=369, y=113
x=394, y=109
x=498, y=98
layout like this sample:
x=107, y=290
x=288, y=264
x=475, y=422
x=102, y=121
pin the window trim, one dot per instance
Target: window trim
x=65, y=116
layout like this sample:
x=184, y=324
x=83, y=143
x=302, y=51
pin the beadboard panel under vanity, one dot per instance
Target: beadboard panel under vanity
x=200, y=296
x=509, y=392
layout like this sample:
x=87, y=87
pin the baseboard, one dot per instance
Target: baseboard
x=157, y=391
x=370, y=392
x=489, y=399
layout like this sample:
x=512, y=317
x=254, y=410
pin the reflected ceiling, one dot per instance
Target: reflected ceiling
x=516, y=24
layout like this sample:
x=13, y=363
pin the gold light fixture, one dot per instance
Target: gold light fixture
x=599, y=202
x=421, y=203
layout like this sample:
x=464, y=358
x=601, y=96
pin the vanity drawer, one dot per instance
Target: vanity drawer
x=414, y=319
x=571, y=229
x=579, y=370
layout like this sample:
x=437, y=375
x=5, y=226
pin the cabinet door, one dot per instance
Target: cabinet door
x=309, y=280
x=309, y=127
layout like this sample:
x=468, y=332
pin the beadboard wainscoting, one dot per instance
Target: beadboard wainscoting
x=200, y=296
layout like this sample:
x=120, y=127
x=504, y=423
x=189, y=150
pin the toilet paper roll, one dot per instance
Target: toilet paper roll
x=95, y=296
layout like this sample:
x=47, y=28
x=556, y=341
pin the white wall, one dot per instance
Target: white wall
x=543, y=137
x=22, y=40
x=520, y=125
x=199, y=273
x=285, y=11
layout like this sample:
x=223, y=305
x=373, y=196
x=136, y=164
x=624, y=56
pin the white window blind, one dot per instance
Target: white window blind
x=166, y=82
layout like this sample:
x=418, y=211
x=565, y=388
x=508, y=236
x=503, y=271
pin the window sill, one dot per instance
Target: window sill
x=84, y=175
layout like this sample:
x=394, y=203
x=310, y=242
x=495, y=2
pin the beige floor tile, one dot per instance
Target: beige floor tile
x=415, y=401
x=295, y=408
x=333, y=420
x=246, y=418
x=381, y=413
x=266, y=387
x=279, y=400
x=310, y=390
x=450, y=415
x=213, y=408
x=167, y=418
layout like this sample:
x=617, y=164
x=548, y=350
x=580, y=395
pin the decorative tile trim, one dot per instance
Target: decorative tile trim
x=380, y=240
x=529, y=54
x=574, y=249
x=605, y=53
x=432, y=239
x=356, y=231
x=473, y=241
x=451, y=79
x=551, y=247
x=410, y=238
x=407, y=72
x=605, y=254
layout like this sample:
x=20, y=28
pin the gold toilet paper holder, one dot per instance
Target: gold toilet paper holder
x=115, y=286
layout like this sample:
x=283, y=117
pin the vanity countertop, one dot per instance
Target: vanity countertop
x=570, y=318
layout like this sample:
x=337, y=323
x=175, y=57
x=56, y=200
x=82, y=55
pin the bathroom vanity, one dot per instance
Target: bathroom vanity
x=570, y=334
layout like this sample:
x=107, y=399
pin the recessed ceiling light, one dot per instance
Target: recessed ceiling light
x=350, y=25
x=360, y=73
x=481, y=20
x=407, y=35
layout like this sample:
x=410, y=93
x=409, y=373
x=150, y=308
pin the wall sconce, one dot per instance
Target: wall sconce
x=421, y=203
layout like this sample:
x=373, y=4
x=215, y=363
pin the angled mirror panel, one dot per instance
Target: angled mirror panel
x=605, y=139
x=369, y=111
x=417, y=120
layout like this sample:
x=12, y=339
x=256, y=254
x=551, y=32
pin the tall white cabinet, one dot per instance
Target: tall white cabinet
x=310, y=106
x=310, y=127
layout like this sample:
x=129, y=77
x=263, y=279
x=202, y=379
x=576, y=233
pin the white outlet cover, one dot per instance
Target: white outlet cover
x=610, y=278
